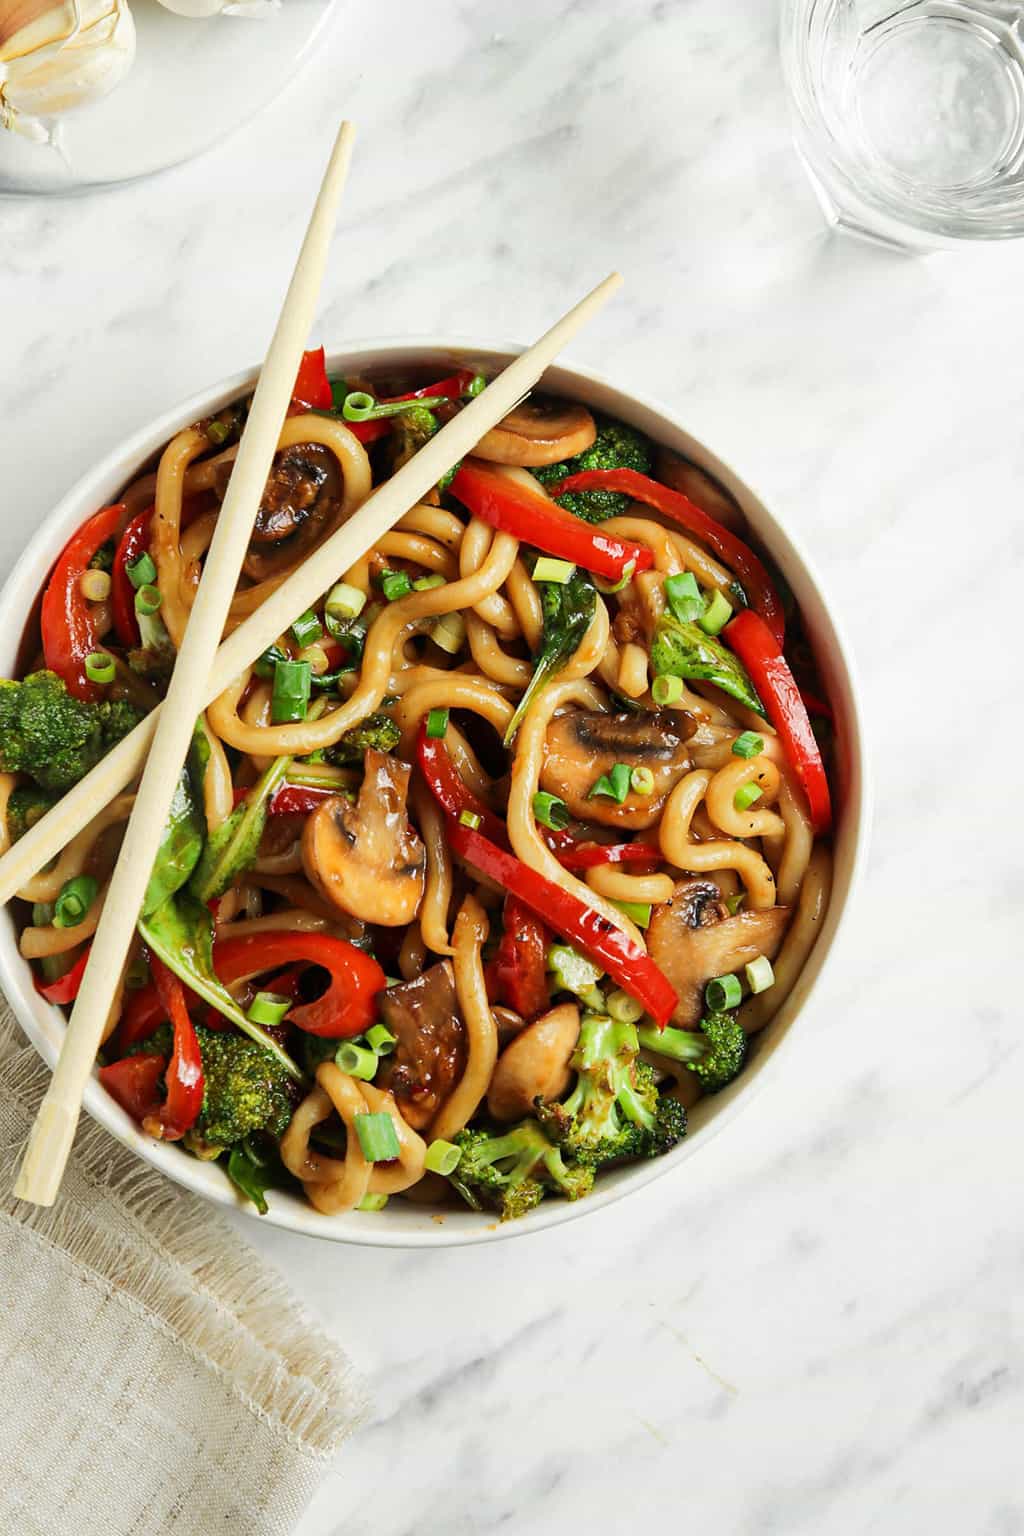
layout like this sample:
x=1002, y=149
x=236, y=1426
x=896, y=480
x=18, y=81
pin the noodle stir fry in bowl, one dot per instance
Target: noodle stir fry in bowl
x=491, y=885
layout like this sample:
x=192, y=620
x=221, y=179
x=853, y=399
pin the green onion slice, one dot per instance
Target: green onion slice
x=377, y=1137
x=380, y=1039
x=290, y=697
x=142, y=571
x=442, y=1157
x=759, y=974
x=148, y=600
x=717, y=615
x=469, y=819
x=307, y=629
x=641, y=781
x=74, y=901
x=667, y=690
x=723, y=992
x=746, y=796
x=395, y=584
x=357, y=1061
x=344, y=601
x=550, y=811
x=428, y=583
x=750, y=744
x=437, y=724
x=268, y=1008
x=549, y=569
x=100, y=668
x=614, y=785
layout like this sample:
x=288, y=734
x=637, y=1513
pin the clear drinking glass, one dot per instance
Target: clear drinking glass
x=909, y=115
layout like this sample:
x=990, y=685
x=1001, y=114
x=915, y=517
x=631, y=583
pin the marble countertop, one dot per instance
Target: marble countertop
x=815, y=1326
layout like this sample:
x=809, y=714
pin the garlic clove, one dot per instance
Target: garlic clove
x=71, y=54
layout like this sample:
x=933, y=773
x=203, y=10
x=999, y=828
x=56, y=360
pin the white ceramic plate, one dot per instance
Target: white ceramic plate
x=403, y=1224
x=192, y=83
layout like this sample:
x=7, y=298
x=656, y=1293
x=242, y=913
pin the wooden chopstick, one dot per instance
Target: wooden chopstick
x=52, y=1134
x=41, y=1171
x=43, y=841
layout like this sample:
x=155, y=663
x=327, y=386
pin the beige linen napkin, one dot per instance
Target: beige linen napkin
x=157, y=1379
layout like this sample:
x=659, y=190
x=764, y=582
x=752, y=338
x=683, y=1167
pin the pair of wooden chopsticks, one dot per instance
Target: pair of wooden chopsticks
x=203, y=670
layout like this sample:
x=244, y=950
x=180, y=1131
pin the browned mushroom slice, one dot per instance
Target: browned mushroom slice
x=535, y=1065
x=365, y=858
x=302, y=493
x=430, y=1056
x=692, y=938
x=538, y=431
x=583, y=745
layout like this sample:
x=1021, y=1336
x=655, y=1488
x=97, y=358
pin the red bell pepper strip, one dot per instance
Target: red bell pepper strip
x=349, y=1004
x=739, y=557
x=134, y=543
x=533, y=517
x=453, y=388
x=180, y=1109
x=592, y=855
x=312, y=386
x=623, y=959
x=518, y=973
x=65, y=988
x=451, y=791
x=752, y=640
x=816, y=705
x=369, y=431
x=68, y=628
x=133, y=1083
x=294, y=799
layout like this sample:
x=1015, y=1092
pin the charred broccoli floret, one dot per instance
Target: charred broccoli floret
x=159, y=1043
x=378, y=731
x=615, y=447
x=25, y=805
x=53, y=737
x=715, y=1052
x=615, y=1111
x=247, y=1089
x=409, y=431
x=511, y=1171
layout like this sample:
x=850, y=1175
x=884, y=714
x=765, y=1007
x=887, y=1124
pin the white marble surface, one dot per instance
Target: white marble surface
x=815, y=1326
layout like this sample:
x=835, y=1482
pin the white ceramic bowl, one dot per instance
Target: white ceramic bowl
x=402, y=1224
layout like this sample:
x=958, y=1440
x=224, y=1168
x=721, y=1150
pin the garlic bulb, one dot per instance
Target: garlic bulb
x=200, y=10
x=57, y=56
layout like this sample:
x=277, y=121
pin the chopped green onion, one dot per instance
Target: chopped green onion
x=356, y=1060
x=683, y=596
x=395, y=584
x=74, y=901
x=750, y=744
x=265, y=664
x=100, y=668
x=377, y=1137
x=548, y=569
x=217, y=432
x=550, y=811
x=745, y=796
x=469, y=819
x=358, y=405
x=735, y=902
x=717, y=615
x=609, y=587
x=623, y=1008
x=372, y=1203
x=723, y=992
x=268, y=1008
x=667, y=690
x=437, y=724
x=638, y=911
x=428, y=583
x=381, y=1040
x=142, y=571
x=307, y=629
x=344, y=601
x=450, y=633
x=442, y=1157
x=574, y=972
x=641, y=781
x=290, y=697
x=476, y=384
x=148, y=600
x=94, y=586
x=759, y=974
x=614, y=785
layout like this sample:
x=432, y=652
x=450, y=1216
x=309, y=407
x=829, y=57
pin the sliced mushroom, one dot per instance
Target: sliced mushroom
x=536, y=1064
x=584, y=744
x=366, y=859
x=692, y=938
x=430, y=1056
x=301, y=495
x=702, y=490
x=539, y=431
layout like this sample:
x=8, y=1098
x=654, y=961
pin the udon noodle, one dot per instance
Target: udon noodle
x=487, y=870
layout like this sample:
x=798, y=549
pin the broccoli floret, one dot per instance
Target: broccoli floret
x=25, y=805
x=615, y=1110
x=154, y=657
x=159, y=1043
x=378, y=731
x=511, y=1171
x=53, y=737
x=409, y=431
x=247, y=1089
x=314, y=1049
x=615, y=447
x=715, y=1052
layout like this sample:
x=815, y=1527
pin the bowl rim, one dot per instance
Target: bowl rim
x=43, y=1023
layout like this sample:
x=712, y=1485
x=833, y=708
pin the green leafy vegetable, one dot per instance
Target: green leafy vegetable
x=568, y=608
x=235, y=844
x=180, y=933
x=684, y=650
x=180, y=846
